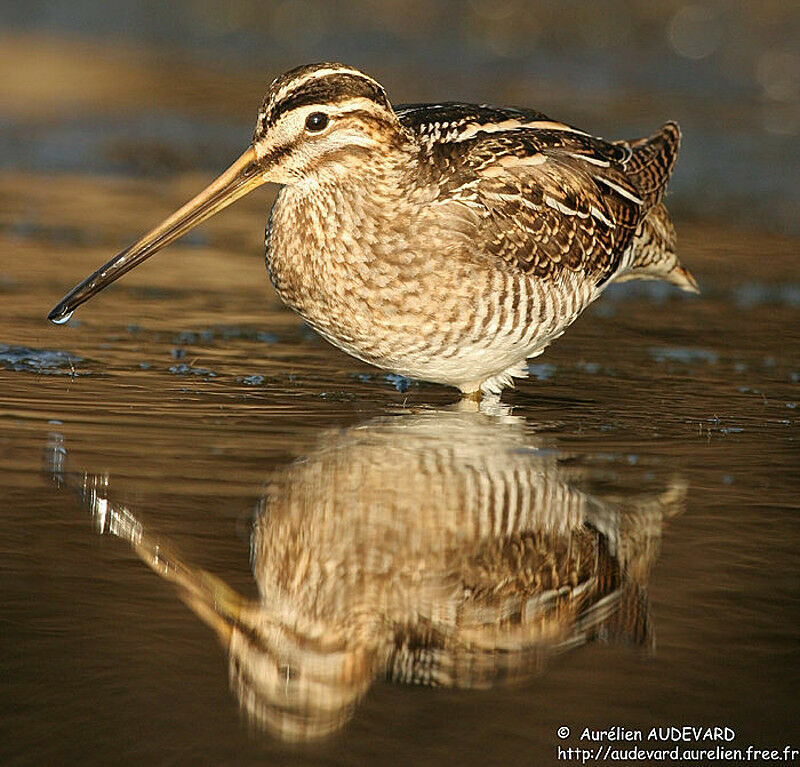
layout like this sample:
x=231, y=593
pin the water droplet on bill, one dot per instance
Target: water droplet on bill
x=63, y=319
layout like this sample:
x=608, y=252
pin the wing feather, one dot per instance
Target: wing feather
x=549, y=209
x=551, y=198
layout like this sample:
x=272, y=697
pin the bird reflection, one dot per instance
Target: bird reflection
x=438, y=548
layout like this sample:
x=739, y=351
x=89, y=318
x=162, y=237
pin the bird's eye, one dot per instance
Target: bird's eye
x=316, y=122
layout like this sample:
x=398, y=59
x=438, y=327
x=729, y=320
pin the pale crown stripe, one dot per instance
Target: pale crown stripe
x=317, y=74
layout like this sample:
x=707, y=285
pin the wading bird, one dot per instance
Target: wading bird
x=445, y=242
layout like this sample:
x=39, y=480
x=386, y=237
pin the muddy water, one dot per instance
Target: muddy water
x=224, y=542
x=286, y=496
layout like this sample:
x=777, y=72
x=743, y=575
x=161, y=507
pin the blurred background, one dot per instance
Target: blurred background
x=144, y=88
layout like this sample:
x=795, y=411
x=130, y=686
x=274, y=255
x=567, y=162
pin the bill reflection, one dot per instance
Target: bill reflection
x=441, y=548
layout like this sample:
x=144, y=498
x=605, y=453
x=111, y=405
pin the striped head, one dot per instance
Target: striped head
x=316, y=123
x=322, y=117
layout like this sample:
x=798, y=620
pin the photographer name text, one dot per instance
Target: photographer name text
x=686, y=734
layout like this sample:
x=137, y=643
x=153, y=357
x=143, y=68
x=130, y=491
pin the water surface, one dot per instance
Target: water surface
x=189, y=392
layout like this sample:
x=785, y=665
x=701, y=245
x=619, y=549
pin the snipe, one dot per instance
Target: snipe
x=446, y=242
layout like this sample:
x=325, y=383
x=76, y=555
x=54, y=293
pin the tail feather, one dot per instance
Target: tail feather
x=651, y=162
x=652, y=253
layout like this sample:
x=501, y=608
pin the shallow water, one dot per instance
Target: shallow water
x=224, y=542
x=186, y=395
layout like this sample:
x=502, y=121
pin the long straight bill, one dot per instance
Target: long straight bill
x=242, y=177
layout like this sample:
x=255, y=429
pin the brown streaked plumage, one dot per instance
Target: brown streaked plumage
x=470, y=568
x=445, y=242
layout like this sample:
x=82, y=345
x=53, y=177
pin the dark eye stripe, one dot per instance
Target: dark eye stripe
x=328, y=90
